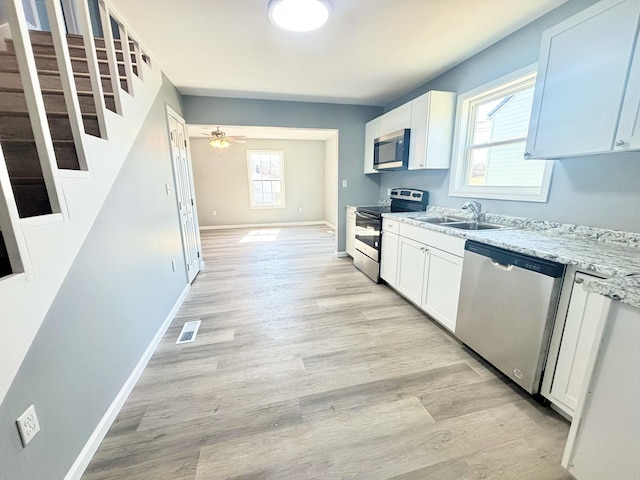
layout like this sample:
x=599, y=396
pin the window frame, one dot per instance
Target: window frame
x=462, y=135
x=252, y=203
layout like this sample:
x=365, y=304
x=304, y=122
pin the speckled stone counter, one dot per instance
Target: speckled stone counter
x=604, y=252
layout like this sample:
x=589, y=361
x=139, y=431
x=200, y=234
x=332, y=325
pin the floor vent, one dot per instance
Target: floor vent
x=188, y=332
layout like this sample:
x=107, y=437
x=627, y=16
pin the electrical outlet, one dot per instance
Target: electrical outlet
x=168, y=189
x=215, y=213
x=344, y=184
x=300, y=210
x=28, y=425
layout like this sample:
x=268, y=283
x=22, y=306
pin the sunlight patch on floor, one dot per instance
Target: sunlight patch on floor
x=256, y=236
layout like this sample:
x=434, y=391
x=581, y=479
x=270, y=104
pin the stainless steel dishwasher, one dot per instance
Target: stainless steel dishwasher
x=507, y=305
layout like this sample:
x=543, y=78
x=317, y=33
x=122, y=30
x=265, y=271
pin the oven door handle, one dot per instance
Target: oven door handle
x=368, y=216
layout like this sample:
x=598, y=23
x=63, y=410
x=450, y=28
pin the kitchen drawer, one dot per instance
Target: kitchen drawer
x=389, y=225
x=442, y=241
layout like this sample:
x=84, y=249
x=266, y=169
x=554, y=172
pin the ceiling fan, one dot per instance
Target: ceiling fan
x=219, y=139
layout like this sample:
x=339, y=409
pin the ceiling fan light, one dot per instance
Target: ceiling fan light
x=299, y=15
x=219, y=143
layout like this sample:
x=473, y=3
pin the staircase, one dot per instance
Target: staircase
x=16, y=135
x=61, y=149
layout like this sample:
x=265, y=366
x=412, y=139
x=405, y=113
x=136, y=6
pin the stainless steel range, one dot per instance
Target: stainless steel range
x=369, y=225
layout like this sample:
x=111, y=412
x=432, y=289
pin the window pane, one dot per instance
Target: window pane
x=504, y=166
x=502, y=117
x=265, y=166
x=257, y=193
x=275, y=167
x=255, y=167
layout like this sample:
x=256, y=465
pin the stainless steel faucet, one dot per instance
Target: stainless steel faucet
x=475, y=208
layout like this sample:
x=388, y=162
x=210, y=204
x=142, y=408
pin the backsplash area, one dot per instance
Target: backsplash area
x=597, y=191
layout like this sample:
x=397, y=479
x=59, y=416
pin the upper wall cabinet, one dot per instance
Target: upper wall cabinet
x=587, y=94
x=430, y=118
x=432, y=130
x=397, y=119
x=371, y=132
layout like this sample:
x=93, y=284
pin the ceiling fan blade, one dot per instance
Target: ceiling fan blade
x=236, y=139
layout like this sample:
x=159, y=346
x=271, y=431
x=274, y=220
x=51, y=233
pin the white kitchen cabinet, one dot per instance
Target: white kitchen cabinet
x=603, y=441
x=351, y=230
x=443, y=274
x=371, y=132
x=582, y=83
x=389, y=251
x=571, y=343
x=428, y=270
x=387, y=123
x=432, y=116
x=397, y=119
x=628, y=137
x=402, y=117
x=411, y=269
x=389, y=258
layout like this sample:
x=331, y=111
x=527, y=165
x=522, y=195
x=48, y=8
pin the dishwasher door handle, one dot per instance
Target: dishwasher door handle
x=499, y=265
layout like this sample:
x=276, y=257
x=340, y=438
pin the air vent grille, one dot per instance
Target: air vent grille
x=188, y=332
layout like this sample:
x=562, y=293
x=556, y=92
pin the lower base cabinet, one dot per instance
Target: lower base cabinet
x=351, y=230
x=572, y=342
x=442, y=287
x=603, y=440
x=417, y=264
x=389, y=258
x=411, y=267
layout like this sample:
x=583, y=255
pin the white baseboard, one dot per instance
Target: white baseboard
x=264, y=225
x=82, y=462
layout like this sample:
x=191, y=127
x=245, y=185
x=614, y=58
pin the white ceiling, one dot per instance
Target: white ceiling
x=204, y=132
x=370, y=52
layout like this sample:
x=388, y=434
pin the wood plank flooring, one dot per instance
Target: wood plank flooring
x=305, y=369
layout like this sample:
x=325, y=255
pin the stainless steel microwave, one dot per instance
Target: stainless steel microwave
x=391, y=152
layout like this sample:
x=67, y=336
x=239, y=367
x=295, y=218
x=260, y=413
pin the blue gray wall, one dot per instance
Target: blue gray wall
x=600, y=190
x=349, y=120
x=113, y=301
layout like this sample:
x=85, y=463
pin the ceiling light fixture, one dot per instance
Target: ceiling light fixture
x=299, y=15
x=219, y=143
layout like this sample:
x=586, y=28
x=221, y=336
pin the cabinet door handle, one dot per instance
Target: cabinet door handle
x=527, y=155
x=619, y=143
x=578, y=280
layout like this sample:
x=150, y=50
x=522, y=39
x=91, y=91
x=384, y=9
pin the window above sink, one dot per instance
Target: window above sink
x=489, y=145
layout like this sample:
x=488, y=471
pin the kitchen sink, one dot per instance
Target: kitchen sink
x=475, y=226
x=438, y=220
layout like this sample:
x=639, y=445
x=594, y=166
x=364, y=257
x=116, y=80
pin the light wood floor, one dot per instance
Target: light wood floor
x=305, y=369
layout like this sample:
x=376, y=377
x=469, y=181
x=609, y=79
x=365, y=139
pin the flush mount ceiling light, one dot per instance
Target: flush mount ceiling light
x=299, y=15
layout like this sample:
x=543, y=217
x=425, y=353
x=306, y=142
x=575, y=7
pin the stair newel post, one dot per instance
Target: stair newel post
x=105, y=19
x=126, y=53
x=35, y=104
x=84, y=22
x=9, y=220
x=59, y=37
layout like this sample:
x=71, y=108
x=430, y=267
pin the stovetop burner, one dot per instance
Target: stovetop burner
x=402, y=200
x=375, y=210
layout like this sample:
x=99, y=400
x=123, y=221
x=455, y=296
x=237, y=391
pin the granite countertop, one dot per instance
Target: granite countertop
x=607, y=253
